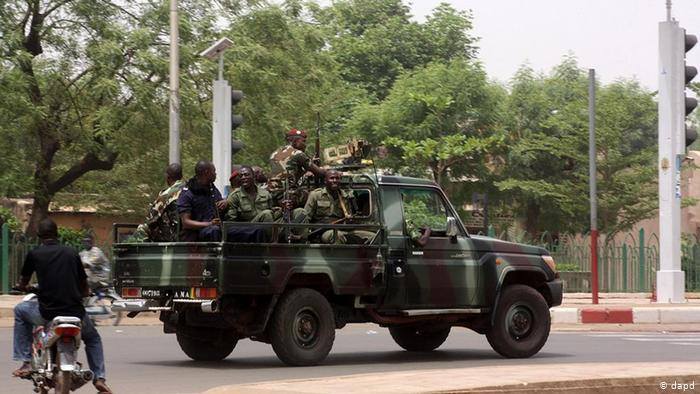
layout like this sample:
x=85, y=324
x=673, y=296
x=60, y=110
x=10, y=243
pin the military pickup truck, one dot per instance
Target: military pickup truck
x=294, y=295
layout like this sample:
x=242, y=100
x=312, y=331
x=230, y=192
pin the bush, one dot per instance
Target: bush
x=71, y=237
x=6, y=216
x=567, y=267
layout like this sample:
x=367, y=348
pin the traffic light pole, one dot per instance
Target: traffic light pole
x=670, y=280
x=221, y=130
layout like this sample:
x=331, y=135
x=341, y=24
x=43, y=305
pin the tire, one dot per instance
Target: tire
x=521, y=322
x=216, y=347
x=302, y=329
x=63, y=382
x=419, y=338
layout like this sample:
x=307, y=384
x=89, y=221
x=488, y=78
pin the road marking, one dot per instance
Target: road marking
x=685, y=343
x=662, y=339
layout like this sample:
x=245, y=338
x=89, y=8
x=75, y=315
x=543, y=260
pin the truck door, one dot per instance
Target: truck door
x=444, y=272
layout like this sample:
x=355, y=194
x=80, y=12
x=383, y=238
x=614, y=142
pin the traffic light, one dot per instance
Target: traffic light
x=236, y=120
x=236, y=146
x=687, y=43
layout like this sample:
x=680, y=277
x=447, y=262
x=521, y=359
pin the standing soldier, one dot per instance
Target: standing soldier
x=249, y=202
x=162, y=219
x=293, y=158
x=332, y=205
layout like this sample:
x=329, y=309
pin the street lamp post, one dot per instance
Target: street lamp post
x=221, y=117
x=174, y=129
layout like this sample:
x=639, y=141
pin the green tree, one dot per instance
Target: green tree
x=438, y=118
x=546, y=171
x=376, y=41
x=83, y=85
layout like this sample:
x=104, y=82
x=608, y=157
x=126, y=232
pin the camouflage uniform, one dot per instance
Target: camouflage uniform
x=288, y=158
x=162, y=220
x=243, y=209
x=323, y=207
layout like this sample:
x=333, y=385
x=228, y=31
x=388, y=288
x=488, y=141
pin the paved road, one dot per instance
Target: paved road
x=142, y=358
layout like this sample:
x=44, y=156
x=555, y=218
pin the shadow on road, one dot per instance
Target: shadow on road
x=403, y=358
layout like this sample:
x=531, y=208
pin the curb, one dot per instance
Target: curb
x=622, y=315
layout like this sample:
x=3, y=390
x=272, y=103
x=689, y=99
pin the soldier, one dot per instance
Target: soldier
x=162, y=220
x=249, y=202
x=293, y=159
x=331, y=204
x=199, y=206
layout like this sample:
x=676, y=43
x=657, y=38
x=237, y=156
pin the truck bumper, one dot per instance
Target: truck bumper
x=556, y=288
x=136, y=306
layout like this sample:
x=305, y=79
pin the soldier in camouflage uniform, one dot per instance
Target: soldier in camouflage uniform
x=292, y=158
x=162, y=220
x=250, y=202
x=331, y=204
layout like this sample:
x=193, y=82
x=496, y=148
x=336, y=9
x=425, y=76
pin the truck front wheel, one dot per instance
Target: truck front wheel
x=419, y=339
x=302, y=329
x=521, y=322
x=206, y=344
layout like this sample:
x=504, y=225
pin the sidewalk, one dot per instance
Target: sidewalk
x=572, y=378
x=625, y=308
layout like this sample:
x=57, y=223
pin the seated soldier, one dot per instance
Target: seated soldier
x=162, y=220
x=330, y=204
x=249, y=202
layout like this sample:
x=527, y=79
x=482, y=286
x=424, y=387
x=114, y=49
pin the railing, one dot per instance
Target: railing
x=13, y=249
x=625, y=264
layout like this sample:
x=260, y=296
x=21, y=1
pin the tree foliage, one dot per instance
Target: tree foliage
x=84, y=103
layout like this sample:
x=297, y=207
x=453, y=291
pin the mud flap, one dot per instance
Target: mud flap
x=67, y=355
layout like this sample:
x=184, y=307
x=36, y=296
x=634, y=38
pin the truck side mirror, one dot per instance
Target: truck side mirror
x=452, y=230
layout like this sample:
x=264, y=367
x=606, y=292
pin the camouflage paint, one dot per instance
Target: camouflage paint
x=448, y=273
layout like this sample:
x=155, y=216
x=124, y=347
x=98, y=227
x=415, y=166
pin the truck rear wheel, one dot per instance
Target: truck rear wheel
x=302, y=329
x=419, y=338
x=206, y=344
x=521, y=324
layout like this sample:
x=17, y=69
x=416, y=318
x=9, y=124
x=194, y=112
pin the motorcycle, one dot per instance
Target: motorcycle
x=55, y=356
x=99, y=305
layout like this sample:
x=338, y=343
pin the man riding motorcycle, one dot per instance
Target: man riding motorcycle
x=62, y=286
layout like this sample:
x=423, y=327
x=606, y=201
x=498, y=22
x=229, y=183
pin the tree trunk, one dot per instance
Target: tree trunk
x=532, y=216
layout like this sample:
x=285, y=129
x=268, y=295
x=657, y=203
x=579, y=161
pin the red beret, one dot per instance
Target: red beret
x=296, y=133
x=233, y=175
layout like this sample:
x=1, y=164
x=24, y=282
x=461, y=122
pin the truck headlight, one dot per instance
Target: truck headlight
x=550, y=262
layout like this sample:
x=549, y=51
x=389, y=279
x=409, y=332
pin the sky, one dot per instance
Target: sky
x=618, y=38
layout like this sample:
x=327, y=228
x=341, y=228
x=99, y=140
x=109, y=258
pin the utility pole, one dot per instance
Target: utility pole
x=174, y=134
x=674, y=106
x=592, y=178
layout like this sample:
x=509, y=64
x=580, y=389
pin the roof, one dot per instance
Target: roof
x=389, y=179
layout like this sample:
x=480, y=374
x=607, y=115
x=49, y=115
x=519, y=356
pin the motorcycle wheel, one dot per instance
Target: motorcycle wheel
x=63, y=382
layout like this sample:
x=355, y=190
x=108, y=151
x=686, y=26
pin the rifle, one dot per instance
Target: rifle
x=287, y=214
x=317, y=150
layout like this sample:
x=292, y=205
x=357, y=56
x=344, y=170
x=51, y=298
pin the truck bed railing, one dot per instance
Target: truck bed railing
x=275, y=230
